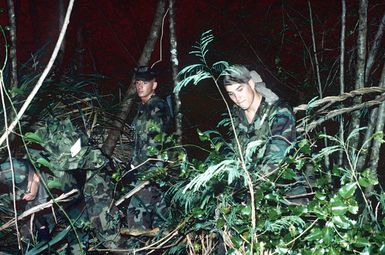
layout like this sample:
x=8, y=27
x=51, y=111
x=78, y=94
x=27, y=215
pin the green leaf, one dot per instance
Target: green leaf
x=338, y=207
x=334, y=251
x=328, y=236
x=367, y=178
x=379, y=136
x=246, y=211
x=348, y=190
x=54, y=184
x=320, y=196
x=197, y=212
x=44, y=162
x=353, y=206
x=342, y=222
x=237, y=241
x=38, y=249
x=299, y=164
x=158, y=138
x=32, y=137
x=304, y=146
x=202, y=136
x=362, y=241
x=17, y=91
x=220, y=223
x=288, y=174
x=315, y=234
x=232, y=251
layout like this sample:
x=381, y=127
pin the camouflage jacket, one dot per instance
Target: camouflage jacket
x=265, y=140
x=152, y=118
x=58, y=137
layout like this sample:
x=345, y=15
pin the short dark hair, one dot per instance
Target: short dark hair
x=144, y=73
x=236, y=74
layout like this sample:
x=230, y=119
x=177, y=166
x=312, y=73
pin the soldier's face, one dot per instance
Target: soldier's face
x=242, y=94
x=145, y=89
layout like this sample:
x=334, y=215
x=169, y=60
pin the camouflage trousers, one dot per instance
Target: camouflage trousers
x=147, y=208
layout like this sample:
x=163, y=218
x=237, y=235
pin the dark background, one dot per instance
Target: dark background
x=107, y=37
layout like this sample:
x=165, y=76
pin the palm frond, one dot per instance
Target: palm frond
x=230, y=166
x=284, y=223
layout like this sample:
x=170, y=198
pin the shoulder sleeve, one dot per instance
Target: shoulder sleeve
x=160, y=114
x=283, y=134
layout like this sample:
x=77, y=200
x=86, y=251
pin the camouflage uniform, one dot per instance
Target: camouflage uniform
x=67, y=170
x=152, y=119
x=267, y=139
x=274, y=126
x=21, y=168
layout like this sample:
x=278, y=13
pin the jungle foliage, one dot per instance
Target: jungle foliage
x=338, y=217
x=210, y=202
x=217, y=205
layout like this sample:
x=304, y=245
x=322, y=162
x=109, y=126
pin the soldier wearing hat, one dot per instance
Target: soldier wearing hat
x=152, y=118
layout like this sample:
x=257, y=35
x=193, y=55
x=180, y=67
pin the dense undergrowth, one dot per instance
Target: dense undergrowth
x=219, y=206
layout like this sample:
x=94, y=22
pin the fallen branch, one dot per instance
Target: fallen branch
x=38, y=208
x=158, y=243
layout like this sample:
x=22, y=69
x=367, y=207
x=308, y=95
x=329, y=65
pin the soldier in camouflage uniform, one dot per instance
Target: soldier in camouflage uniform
x=151, y=120
x=264, y=123
x=259, y=115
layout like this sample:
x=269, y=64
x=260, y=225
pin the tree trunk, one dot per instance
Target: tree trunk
x=375, y=149
x=318, y=79
x=360, y=67
x=373, y=114
x=114, y=133
x=12, y=49
x=375, y=47
x=174, y=65
x=342, y=73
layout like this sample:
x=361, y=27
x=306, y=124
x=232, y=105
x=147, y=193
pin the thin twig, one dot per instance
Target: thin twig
x=315, y=51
